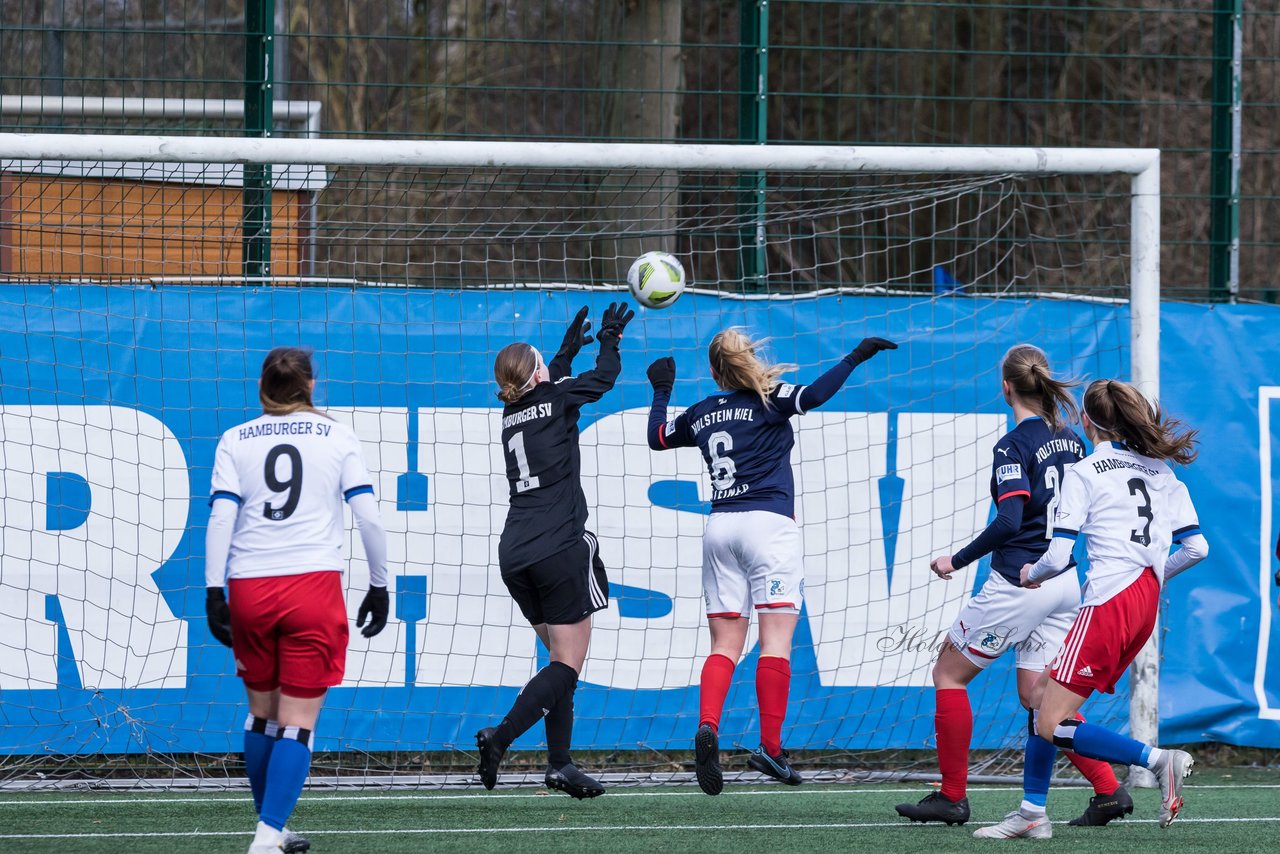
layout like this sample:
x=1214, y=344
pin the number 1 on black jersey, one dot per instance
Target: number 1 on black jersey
x=516, y=445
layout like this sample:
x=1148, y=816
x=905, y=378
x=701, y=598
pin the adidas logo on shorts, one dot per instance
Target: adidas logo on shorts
x=1085, y=671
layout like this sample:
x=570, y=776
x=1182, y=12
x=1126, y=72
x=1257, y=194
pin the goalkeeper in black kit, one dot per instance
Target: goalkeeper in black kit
x=550, y=562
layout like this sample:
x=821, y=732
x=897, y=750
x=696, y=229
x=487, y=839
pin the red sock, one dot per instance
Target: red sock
x=773, y=683
x=953, y=721
x=717, y=673
x=1097, y=772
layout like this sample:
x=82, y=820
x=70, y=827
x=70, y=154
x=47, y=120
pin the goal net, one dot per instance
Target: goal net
x=134, y=318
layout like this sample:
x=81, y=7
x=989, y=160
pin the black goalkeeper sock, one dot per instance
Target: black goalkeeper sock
x=560, y=730
x=538, y=697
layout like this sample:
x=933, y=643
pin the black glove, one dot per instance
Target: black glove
x=375, y=607
x=218, y=614
x=868, y=348
x=615, y=319
x=576, y=337
x=662, y=374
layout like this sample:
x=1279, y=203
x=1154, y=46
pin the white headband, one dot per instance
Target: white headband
x=533, y=377
x=1097, y=423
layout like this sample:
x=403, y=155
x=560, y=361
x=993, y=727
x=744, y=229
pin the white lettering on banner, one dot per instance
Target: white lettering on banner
x=122, y=632
x=473, y=633
x=865, y=633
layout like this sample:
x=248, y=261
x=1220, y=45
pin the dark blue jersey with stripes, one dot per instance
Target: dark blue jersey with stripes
x=746, y=445
x=1027, y=468
x=745, y=441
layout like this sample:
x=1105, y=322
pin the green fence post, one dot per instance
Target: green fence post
x=1224, y=193
x=753, y=76
x=258, y=74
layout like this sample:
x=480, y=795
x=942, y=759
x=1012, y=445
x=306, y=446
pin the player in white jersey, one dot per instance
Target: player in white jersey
x=1126, y=502
x=275, y=540
x=1026, y=470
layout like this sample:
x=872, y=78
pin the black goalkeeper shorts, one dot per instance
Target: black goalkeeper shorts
x=564, y=588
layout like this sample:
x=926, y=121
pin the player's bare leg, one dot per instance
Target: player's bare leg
x=562, y=774
x=1110, y=799
x=568, y=645
x=773, y=679
x=728, y=637
x=1171, y=767
x=953, y=723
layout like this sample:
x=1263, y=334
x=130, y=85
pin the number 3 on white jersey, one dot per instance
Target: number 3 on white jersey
x=723, y=471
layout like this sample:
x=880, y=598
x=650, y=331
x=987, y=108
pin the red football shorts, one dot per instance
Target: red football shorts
x=289, y=631
x=1106, y=638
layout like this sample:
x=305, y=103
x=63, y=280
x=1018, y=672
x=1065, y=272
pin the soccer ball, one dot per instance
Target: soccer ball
x=656, y=279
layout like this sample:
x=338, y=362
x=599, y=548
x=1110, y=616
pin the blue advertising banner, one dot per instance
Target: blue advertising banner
x=112, y=401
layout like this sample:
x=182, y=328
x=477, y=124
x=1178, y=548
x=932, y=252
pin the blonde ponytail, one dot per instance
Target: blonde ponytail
x=737, y=367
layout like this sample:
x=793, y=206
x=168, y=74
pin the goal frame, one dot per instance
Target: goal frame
x=1142, y=165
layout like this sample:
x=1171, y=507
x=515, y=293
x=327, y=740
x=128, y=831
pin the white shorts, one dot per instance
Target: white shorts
x=1004, y=616
x=752, y=559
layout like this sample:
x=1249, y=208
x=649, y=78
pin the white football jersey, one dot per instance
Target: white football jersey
x=1130, y=509
x=289, y=474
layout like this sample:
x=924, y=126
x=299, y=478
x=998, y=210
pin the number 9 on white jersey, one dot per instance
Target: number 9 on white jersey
x=289, y=474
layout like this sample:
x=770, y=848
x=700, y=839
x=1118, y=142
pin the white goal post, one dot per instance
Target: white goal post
x=1141, y=165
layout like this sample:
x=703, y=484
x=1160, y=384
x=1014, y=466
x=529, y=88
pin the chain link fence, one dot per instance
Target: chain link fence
x=1136, y=73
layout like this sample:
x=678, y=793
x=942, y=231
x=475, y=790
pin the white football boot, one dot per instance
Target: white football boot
x=1017, y=826
x=1174, y=766
x=266, y=840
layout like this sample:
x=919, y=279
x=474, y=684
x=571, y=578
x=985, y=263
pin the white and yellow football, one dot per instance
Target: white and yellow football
x=656, y=279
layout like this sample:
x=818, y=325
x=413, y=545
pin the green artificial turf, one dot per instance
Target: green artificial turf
x=1226, y=812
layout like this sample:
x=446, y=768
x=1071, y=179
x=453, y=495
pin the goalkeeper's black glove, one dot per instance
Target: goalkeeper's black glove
x=375, y=607
x=868, y=348
x=576, y=337
x=218, y=614
x=662, y=374
x=615, y=319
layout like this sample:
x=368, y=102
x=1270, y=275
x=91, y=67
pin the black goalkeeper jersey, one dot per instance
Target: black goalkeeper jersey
x=540, y=445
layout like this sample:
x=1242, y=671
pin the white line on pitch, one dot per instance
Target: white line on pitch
x=559, y=828
x=143, y=800
x=375, y=796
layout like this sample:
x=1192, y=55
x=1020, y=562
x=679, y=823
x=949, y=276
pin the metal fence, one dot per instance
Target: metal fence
x=1198, y=83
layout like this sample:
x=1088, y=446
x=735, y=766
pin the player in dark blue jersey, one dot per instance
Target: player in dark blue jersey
x=1027, y=468
x=550, y=562
x=752, y=554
